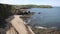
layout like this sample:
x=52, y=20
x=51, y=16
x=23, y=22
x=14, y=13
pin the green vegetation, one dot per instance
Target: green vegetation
x=5, y=10
x=35, y=6
x=45, y=31
x=8, y=10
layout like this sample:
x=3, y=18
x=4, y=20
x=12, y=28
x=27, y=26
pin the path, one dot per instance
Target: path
x=19, y=25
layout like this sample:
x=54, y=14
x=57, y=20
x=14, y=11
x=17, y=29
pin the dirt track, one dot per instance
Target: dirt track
x=19, y=25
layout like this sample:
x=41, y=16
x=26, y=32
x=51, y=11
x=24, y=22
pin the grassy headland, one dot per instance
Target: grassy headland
x=36, y=6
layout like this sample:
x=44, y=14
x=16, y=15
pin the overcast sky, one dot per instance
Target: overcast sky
x=38, y=2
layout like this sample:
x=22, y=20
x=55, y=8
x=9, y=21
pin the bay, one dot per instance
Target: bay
x=48, y=17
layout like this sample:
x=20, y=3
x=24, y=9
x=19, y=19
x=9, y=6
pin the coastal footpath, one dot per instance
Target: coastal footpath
x=20, y=26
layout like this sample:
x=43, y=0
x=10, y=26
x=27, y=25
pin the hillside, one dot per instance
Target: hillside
x=35, y=6
x=45, y=31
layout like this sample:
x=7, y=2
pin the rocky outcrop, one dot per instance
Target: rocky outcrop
x=45, y=31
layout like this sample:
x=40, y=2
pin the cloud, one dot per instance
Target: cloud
x=14, y=1
x=38, y=2
x=5, y=1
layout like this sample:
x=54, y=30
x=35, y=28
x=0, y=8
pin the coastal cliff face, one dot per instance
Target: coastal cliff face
x=16, y=25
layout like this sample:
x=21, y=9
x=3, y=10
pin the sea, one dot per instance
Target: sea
x=45, y=17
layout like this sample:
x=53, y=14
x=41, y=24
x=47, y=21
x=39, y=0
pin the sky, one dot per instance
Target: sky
x=37, y=2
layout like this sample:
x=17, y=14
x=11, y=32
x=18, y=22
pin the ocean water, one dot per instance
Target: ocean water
x=48, y=17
